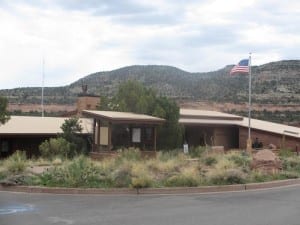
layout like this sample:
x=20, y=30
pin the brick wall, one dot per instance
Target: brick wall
x=87, y=103
x=268, y=138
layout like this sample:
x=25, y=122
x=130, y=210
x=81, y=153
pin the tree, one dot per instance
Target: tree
x=71, y=133
x=4, y=115
x=132, y=96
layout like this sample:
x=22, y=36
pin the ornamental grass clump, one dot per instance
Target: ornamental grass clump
x=225, y=171
x=16, y=163
x=188, y=177
x=121, y=177
x=140, y=178
x=228, y=176
x=291, y=163
x=130, y=154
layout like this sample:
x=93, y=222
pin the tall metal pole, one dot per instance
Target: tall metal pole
x=249, y=142
x=43, y=77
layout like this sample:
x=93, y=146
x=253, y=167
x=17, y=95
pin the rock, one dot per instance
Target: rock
x=272, y=146
x=266, y=161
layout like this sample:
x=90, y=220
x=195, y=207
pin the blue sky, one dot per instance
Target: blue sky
x=77, y=38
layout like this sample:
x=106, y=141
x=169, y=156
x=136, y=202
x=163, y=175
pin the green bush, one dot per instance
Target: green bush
x=16, y=163
x=291, y=163
x=130, y=154
x=257, y=176
x=181, y=180
x=141, y=182
x=288, y=175
x=55, y=147
x=230, y=176
x=81, y=172
x=210, y=160
x=197, y=152
x=283, y=153
x=166, y=155
x=122, y=176
x=240, y=159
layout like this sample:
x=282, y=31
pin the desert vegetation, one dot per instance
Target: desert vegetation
x=128, y=169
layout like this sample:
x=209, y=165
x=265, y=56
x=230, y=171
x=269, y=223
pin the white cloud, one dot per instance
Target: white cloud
x=78, y=38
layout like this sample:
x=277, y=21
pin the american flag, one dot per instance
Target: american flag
x=241, y=67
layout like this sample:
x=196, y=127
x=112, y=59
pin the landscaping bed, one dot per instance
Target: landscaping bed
x=129, y=169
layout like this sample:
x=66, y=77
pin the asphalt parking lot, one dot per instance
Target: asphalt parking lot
x=261, y=207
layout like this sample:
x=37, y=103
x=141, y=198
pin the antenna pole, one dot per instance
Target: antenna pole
x=43, y=78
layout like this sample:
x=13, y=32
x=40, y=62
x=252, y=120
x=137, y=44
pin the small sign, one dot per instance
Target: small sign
x=185, y=148
x=136, y=135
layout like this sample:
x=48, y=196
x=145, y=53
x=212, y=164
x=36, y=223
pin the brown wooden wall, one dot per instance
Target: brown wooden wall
x=226, y=136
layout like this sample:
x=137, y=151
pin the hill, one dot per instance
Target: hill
x=275, y=82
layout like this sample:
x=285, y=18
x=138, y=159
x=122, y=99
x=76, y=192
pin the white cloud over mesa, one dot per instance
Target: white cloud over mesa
x=78, y=38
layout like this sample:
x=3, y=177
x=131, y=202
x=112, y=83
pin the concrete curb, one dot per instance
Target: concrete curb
x=147, y=191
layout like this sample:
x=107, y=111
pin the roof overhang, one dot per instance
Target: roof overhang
x=122, y=117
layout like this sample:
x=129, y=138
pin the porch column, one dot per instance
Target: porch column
x=94, y=135
x=154, y=139
x=109, y=136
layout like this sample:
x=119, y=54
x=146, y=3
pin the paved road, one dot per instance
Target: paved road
x=279, y=206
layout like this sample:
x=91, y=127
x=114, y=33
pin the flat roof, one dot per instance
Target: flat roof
x=272, y=127
x=206, y=114
x=31, y=125
x=122, y=117
x=215, y=118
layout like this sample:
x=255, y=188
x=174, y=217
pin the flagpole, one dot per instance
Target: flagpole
x=249, y=141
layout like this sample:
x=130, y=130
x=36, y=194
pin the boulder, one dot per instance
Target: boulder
x=266, y=161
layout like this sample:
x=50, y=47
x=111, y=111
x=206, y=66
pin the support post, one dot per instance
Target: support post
x=154, y=141
x=109, y=136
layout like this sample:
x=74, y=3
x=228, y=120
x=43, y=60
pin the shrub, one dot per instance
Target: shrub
x=224, y=164
x=288, y=175
x=122, y=176
x=141, y=182
x=181, y=181
x=81, y=172
x=16, y=163
x=291, y=163
x=55, y=147
x=241, y=160
x=188, y=177
x=197, y=152
x=229, y=176
x=167, y=155
x=130, y=154
x=140, y=176
x=283, y=153
x=257, y=176
x=210, y=160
